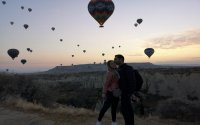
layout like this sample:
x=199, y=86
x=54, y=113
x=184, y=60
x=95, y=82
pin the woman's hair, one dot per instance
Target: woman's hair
x=108, y=64
x=115, y=73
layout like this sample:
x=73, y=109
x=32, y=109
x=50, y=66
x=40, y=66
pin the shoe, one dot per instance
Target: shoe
x=114, y=123
x=98, y=123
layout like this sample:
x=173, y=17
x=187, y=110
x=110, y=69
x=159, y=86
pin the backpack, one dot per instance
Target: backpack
x=139, y=81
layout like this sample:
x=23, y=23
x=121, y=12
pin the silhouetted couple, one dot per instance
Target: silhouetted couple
x=120, y=83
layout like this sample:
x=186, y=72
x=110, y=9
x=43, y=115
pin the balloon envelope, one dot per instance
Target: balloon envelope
x=29, y=9
x=11, y=22
x=139, y=21
x=22, y=7
x=101, y=10
x=25, y=26
x=149, y=52
x=3, y=2
x=23, y=61
x=13, y=53
x=135, y=24
x=53, y=28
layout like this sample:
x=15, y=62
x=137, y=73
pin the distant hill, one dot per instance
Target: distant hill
x=95, y=67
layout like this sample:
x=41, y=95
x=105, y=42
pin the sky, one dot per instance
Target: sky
x=171, y=27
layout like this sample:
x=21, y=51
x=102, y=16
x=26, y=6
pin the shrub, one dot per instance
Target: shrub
x=180, y=110
x=25, y=87
x=81, y=97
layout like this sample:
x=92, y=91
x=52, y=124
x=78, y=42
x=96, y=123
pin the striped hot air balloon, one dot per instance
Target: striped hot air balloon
x=101, y=10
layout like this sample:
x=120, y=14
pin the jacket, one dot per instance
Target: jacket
x=127, y=81
x=111, y=82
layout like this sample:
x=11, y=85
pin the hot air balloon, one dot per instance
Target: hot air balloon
x=53, y=28
x=149, y=52
x=84, y=51
x=13, y=53
x=139, y=21
x=104, y=62
x=113, y=47
x=3, y=2
x=101, y=10
x=78, y=45
x=103, y=54
x=135, y=24
x=31, y=51
x=61, y=40
x=29, y=9
x=25, y=26
x=72, y=55
x=94, y=63
x=23, y=61
x=119, y=46
x=7, y=70
x=11, y=22
x=28, y=49
x=22, y=7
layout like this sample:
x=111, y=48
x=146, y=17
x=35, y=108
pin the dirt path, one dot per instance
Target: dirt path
x=9, y=117
x=14, y=117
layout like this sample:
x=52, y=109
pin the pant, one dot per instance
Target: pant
x=110, y=101
x=127, y=110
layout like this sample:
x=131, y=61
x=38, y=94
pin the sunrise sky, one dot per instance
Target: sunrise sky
x=171, y=27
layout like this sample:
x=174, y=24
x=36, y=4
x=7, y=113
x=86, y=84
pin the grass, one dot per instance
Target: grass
x=65, y=115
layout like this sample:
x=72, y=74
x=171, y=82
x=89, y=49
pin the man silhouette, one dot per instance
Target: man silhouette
x=127, y=84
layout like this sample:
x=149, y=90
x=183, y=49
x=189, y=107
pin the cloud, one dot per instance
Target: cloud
x=198, y=58
x=186, y=38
